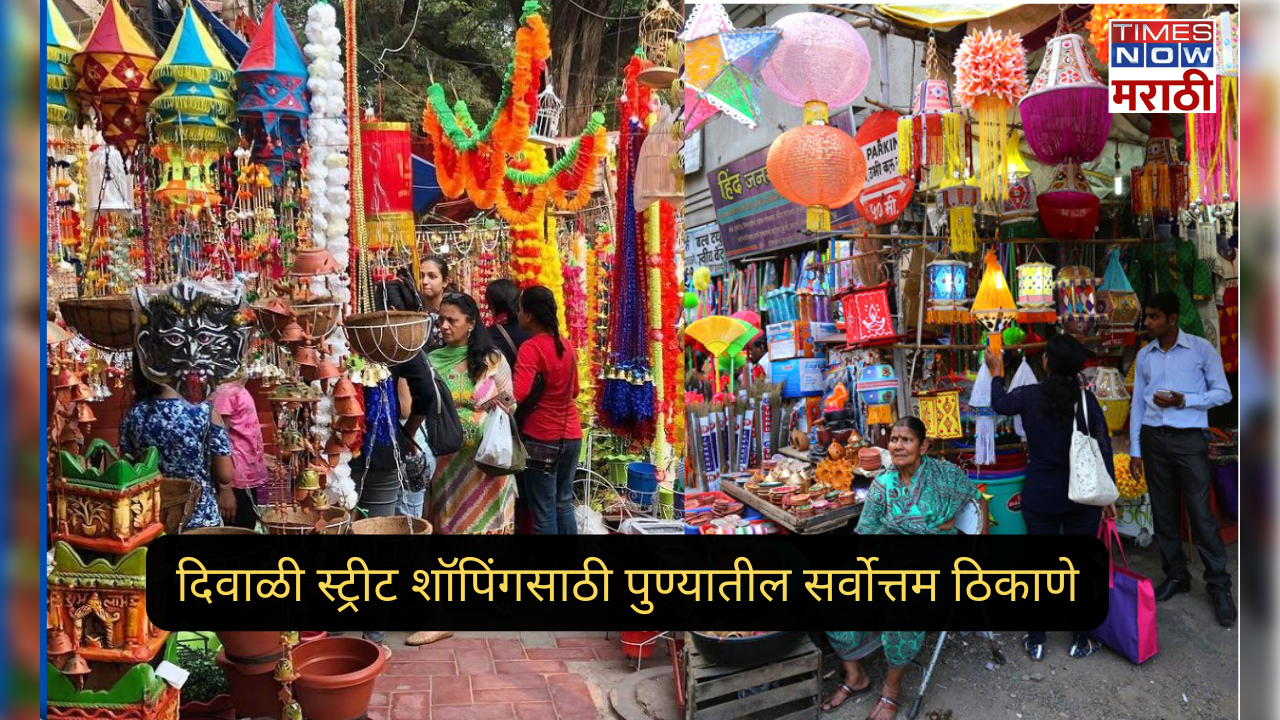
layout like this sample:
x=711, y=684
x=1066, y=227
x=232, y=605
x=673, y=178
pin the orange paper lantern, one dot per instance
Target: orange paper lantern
x=817, y=166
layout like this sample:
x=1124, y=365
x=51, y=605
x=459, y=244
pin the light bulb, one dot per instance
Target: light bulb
x=1119, y=187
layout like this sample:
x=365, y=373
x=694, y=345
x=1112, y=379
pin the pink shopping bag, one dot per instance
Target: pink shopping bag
x=1130, y=627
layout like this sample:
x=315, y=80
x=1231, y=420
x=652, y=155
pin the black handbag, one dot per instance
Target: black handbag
x=444, y=429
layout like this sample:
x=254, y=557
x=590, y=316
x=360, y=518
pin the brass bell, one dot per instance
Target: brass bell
x=309, y=479
x=59, y=642
x=84, y=414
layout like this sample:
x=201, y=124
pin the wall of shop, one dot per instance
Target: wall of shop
x=725, y=140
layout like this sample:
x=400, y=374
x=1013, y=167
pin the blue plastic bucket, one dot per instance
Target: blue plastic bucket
x=642, y=483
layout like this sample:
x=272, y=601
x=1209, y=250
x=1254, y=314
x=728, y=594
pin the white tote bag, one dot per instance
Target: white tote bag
x=1090, y=484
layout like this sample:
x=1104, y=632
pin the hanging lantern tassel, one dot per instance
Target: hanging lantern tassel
x=964, y=236
x=880, y=415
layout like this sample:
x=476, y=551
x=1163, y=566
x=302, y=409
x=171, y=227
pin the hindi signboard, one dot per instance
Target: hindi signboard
x=753, y=217
x=702, y=247
x=886, y=193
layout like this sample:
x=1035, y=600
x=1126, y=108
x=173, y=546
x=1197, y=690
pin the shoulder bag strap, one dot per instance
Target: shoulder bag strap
x=507, y=336
x=1084, y=410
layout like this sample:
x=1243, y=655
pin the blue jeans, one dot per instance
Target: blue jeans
x=549, y=496
x=410, y=503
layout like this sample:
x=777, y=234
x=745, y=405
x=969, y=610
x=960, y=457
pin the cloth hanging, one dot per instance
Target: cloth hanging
x=984, y=448
x=1024, y=376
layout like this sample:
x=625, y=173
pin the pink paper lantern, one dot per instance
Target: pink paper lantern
x=1065, y=114
x=821, y=58
x=1068, y=209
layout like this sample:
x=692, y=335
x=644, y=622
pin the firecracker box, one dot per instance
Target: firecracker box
x=795, y=339
x=799, y=377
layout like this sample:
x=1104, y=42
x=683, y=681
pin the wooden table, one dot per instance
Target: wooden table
x=825, y=522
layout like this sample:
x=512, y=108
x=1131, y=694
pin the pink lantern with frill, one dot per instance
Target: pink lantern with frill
x=1068, y=209
x=821, y=58
x=1064, y=115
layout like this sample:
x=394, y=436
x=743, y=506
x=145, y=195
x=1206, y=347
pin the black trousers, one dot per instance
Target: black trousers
x=245, y=515
x=1080, y=520
x=1176, y=463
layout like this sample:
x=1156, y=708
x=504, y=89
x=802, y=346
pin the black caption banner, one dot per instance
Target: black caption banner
x=553, y=583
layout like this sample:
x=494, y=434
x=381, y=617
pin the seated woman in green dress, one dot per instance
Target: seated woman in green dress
x=918, y=496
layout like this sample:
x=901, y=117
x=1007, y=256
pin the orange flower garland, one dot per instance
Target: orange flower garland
x=1100, y=14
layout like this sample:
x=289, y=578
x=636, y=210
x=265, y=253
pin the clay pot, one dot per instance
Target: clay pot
x=336, y=677
x=309, y=635
x=345, y=389
x=255, y=692
x=219, y=708
x=248, y=647
x=326, y=370
x=869, y=459
x=314, y=261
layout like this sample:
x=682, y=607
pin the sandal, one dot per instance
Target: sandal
x=849, y=693
x=891, y=703
x=1089, y=647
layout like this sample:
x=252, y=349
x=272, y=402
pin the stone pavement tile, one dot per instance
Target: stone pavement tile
x=403, y=683
x=609, y=654
x=535, y=711
x=380, y=699
x=578, y=633
x=529, y=666
x=512, y=680
x=395, y=669
x=597, y=641
x=561, y=654
x=461, y=643
x=572, y=696
x=513, y=695
x=411, y=706
x=488, y=634
x=379, y=713
x=474, y=661
x=502, y=711
x=504, y=649
x=538, y=639
x=426, y=653
x=451, y=690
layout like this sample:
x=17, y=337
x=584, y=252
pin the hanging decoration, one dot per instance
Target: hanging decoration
x=984, y=434
x=271, y=95
x=818, y=166
x=1019, y=217
x=933, y=141
x=60, y=46
x=721, y=66
x=991, y=77
x=821, y=58
x=658, y=30
x=113, y=77
x=959, y=200
x=168, y=322
x=1160, y=183
x=388, y=194
x=1119, y=303
x=877, y=387
x=1035, y=293
x=1065, y=114
x=1078, y=310
x=866, y=315
x=1213, y=138
x=993, y=306
x=535, y=254
x=1101, y=15
x=660, y=171
x=1107, y=384
x=626, y=401
x=948, y=292
x=940, y=412
x=526, y=190
x=194, y=107
x=1068, y=209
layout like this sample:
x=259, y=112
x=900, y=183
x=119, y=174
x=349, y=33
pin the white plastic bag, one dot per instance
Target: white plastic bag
x=496, y=449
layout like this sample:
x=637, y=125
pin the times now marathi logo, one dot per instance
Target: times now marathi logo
x=1165, y=66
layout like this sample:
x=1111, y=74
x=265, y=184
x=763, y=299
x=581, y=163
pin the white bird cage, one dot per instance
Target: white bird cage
x=546, y=124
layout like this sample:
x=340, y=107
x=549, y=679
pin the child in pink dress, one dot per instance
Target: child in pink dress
x=235, y=404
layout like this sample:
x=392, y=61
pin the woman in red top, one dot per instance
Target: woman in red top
x=546, y=385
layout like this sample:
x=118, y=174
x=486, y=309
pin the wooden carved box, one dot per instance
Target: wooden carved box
x=103, y=606
x=105, y=503
x=139, y=695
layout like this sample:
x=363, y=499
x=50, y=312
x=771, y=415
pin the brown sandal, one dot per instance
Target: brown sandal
x=849, y=693
x=884, y=700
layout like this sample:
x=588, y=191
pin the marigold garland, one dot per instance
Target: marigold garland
x=1100, y=14
x=525, y=190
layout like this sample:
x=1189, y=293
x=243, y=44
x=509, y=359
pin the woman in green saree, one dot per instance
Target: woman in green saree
x=918, y=496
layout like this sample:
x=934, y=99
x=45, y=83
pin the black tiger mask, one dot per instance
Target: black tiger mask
x=192, y=336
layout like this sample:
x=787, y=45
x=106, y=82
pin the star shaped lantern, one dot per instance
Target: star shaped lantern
x=722, y=65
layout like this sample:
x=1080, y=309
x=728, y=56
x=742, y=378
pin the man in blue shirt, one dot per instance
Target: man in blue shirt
x=1178, y=378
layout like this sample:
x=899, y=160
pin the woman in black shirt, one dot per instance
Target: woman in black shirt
x=503, y=298
x=1048, y=409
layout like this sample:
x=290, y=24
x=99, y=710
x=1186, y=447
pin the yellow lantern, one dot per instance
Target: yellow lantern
x=993, y=306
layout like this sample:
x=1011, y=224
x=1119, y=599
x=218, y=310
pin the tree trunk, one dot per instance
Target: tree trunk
x=576, y=40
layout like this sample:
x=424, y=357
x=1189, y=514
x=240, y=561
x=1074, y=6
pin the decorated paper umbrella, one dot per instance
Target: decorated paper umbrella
x=1065, y=114
x=718, y=334
x=113, y=76
x=195, y=105
x=271, y=94
x=59, y=79
x=991, y=77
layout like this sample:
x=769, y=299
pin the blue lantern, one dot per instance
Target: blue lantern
x=948, y=292
x=877, y=387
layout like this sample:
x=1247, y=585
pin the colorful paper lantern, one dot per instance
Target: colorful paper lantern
x=1035, y=293
x=1119, y=303
x=1102, y=14
x=991, y=77
x=959, y=200
x=1077, y=299
x=722, y=65
x=1107, y=384
x=194, y=107
x=940, y=413
x=877, y=387
x=1019, y=217
x=948, y=292
x=817, y=166
x=821, y=58
x=1068, y=209
x=1212, y=138
x=993, y=306
x=1160, y=184
x=271, y=94
x=61, y=107
x=1065, y=113
x=113, y=76
x=388, y=191
x=866, y=315
x=933, y=141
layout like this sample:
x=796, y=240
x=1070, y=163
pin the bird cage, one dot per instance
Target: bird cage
x=656, y=178
x=658, y=30
x=546, y=124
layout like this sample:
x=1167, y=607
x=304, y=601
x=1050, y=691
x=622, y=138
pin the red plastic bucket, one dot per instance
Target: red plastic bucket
x=636, y=643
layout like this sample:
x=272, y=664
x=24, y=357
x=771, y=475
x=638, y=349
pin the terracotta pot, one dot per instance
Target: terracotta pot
x=250, y=646
x=219, y=708
x=255, y=693
x=336, y=677
x=309, y=635
x=313, y=261
x=869, y=459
